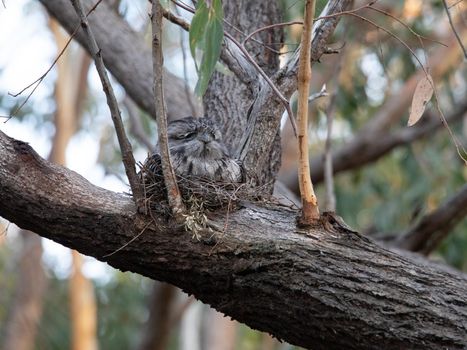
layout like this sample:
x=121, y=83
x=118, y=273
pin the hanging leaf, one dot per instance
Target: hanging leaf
x=422, y=95
x=206, y=35
x=198, y=27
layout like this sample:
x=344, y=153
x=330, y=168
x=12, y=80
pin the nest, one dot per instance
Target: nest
x=197, y=193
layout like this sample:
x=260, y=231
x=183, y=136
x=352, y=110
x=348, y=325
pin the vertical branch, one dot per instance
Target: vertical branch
x=330, y=198
x=25, y=312
x=310, y=211
x=125, y=146
x=194, y=111
x=173, y=193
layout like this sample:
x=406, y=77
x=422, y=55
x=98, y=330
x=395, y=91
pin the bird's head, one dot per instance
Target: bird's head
x=197, y=138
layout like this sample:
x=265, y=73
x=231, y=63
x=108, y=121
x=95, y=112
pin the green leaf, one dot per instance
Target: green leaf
x=198, y=27
x=206, y=35
x=214, y=35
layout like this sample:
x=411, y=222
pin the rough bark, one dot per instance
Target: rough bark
x=125, y=54
x=260, y=142
x=322, y=288
x=227, y=98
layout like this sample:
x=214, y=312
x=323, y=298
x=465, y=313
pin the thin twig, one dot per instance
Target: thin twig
x=176, y=19
x=276, y=25
x=461, y=152
x=39, y=80
x=330, y=198
x=235, y=28
x=173, y=192
x=185, y=73
x=310, y=211
x=454, y=29
x=322, y=93
x=456, y=3
x=129, y=242
x=419, y=36
x=125, y=146
x=273, y=86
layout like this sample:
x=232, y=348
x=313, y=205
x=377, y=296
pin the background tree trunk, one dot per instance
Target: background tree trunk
x=70, y=91
x=26, y=311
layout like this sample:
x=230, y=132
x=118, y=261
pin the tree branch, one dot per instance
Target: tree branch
x=310, y=210
x=125, y=146
x=332, y=287
x=359, y=152
x=458, y=38
x=371, y=141
x=425, y=236
x=173, y=193
x=266, y=111
x=373, y=147
x=130, y=61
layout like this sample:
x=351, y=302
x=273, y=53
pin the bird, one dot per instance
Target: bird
x=197, y=151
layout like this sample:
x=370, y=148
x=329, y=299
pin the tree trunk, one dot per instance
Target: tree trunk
x=219, y=331
x=323, y=288
x=26, y=310
x=159, y=325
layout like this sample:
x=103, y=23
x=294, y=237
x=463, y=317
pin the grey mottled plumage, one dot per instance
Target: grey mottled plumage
x=197, y=150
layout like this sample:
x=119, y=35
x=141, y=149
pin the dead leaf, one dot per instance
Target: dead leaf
x=422, y=95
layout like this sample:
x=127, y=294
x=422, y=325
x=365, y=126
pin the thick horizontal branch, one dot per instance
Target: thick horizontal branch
x=125, y=54
x=332, y=287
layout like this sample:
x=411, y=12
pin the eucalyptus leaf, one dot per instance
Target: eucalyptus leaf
x=206, y=35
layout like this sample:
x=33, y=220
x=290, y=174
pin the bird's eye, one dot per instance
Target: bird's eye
x=188, y=135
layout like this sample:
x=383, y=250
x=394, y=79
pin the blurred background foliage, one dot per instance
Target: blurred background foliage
x=386, y=196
